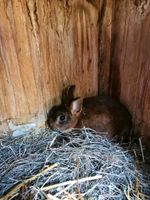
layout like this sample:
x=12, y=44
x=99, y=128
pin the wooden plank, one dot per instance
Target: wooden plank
x=131, y=60
x=105, y=33
x=45, y=45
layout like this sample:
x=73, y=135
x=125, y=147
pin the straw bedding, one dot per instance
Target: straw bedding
x=80, y=165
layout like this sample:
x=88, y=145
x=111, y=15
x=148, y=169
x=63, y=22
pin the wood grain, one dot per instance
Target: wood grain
x=44, y=46
x=130, y=62
x=101, y=46
x=105, y=34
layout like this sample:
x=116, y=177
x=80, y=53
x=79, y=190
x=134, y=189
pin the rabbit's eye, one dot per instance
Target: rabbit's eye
x=62, y=119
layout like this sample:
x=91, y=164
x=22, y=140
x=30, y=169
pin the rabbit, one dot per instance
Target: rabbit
x=103, y=114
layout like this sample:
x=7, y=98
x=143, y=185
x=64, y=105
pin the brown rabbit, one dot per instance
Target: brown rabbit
x=102, y=114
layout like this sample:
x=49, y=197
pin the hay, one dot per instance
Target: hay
x=81, y=165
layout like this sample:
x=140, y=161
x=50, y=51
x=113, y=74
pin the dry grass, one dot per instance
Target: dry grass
x=80, y=165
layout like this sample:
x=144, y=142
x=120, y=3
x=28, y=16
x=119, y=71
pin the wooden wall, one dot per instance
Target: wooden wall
x=99, y=45
x=124, y=58
x=130, y=60
x=45, y=45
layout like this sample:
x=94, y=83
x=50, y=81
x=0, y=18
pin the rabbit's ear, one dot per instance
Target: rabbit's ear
x=76, y=106
x=68, y=94
x=70, y=91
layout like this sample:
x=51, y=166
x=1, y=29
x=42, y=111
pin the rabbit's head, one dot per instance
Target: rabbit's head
x=66, y=115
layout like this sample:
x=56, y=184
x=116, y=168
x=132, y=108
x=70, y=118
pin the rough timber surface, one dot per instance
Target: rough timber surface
x=45, y=45
x=130, y=60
